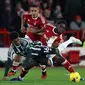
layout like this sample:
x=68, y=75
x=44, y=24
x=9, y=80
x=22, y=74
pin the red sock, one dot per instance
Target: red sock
x=43, y=70
x=68, y=66
x=14, y=68
x=23, y=73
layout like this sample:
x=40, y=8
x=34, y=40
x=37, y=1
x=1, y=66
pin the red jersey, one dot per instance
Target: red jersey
x=35, y=23
x=50, y=30
x=50, y=33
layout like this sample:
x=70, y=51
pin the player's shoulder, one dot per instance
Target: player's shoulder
x=50, y=26
x=26, y=13
x=11, y=47
x=27, y=40
x=41, y=17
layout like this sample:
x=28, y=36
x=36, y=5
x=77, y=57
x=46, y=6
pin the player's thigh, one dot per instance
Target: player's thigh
x=29, y=63
x=34, y=37
x=43, y=60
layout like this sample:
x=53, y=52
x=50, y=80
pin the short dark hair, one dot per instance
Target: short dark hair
x=34, y=5
x=62, y=22
x=13, y=35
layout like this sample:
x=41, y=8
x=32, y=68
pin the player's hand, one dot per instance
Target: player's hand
x=46, y=38
x=37, y=32
x=23, y=30
x=41, y=33
x=5, y=78
x=33, y=30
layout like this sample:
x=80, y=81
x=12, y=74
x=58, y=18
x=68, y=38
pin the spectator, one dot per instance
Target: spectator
x=25, y=4
x=72, y=8
x=7, y=2
x=44, y=5
x=19, y=9
x=50, y=3
x=47, y=13
x=17, y=18
x=57, y=13
x=31, y=1
x=77, y=24
x=1, y=11
x=57, y=9
x=7, y=18
x=37, y=3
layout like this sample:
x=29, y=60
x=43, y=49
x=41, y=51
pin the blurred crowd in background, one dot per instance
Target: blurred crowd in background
x=72, y=11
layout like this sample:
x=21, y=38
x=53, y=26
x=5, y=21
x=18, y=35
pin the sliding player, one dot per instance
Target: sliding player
x=36, y=23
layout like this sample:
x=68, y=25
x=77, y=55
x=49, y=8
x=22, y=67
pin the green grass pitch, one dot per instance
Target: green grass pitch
x=56, y=76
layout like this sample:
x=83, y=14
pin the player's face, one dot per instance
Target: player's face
x=16, y=41
x=34, y=11
x=62, y=28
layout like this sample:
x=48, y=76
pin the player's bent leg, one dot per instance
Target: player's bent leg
x=14, y=68
x=7, y=67
x=28, y=64
x=15, y=65
x=71, y=40
x=44, y=72
x=64, y=62
x=43, y=61
x=76, y=41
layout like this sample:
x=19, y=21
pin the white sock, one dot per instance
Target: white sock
x=43, y=68
x=21, y=78
x=15, y=63
x=62, y=46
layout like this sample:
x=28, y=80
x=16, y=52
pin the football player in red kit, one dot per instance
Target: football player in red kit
x=36, y=23
x=56, y=32
x=54, y=36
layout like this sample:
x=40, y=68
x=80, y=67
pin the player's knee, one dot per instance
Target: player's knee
x=62, y=60
x=25, y=70
x=57, y=60
x=43, y=66
x=49, y=63
x=15, y=63
x=17, y=58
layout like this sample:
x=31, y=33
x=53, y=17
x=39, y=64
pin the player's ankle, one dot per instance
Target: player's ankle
x=21, y=78
x=44, y=73
x=12, y=70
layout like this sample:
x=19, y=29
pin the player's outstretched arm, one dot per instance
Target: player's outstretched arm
x=7, y=67
x=23, y=30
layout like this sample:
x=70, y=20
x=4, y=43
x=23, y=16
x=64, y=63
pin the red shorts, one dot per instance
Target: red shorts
x=35, y=37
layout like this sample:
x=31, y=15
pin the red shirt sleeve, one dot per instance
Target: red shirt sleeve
x=42, y=21
x=25, y=15
x=60, y=39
